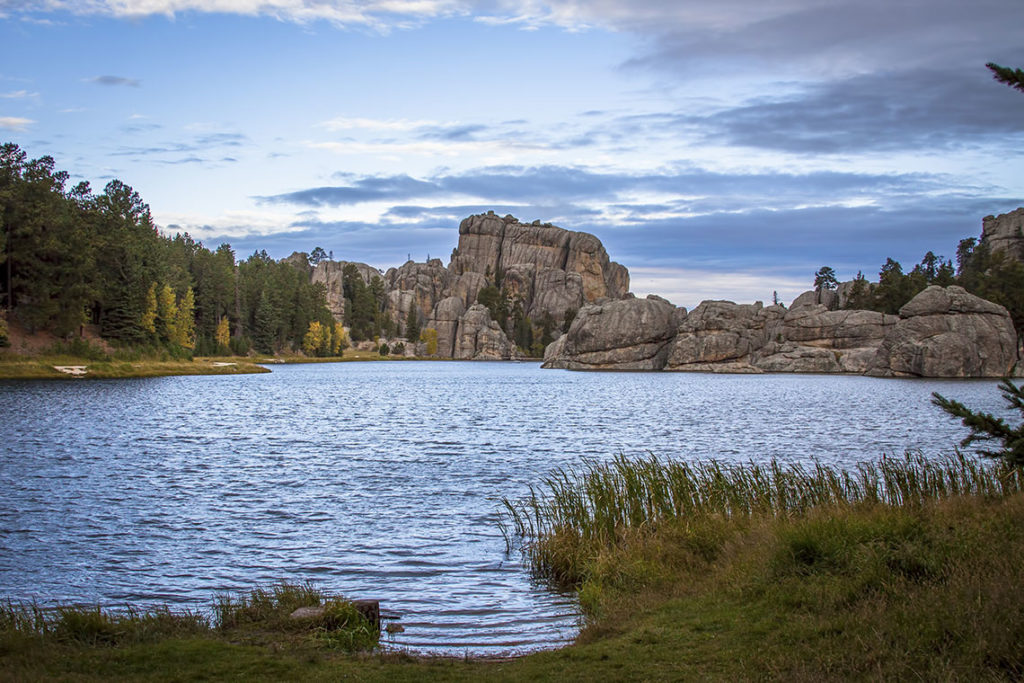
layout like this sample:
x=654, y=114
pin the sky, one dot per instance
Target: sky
x=719, y=149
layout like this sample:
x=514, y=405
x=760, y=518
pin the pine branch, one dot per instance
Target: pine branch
x=1004, y=74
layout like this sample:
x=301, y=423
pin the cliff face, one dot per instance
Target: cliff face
x=1005, y=233
x=942, y=332
x=548, y=271
x=552, y=269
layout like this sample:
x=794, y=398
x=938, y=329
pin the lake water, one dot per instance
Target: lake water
x=383, y=480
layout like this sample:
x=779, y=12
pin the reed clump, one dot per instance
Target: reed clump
x=575, y=517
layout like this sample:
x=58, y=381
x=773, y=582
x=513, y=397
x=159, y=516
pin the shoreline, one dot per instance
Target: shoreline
x=26, y=367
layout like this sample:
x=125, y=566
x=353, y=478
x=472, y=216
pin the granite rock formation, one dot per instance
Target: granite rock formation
x=942, y=332
x=1005, y=232
x=547, y=271
x=947, y=332
x=627, y=334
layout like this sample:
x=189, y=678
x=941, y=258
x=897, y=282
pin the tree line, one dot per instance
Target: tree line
x=70, y=258
x=992, y=275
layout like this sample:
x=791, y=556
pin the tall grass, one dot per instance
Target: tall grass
x=92, y=625
x=576, y=513
x=263, y=613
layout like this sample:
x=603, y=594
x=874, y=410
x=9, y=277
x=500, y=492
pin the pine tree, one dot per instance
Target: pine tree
x=263, y=331
x=412, y=323
x=987, y=427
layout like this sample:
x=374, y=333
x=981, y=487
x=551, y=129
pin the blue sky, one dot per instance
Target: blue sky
x=719, y=149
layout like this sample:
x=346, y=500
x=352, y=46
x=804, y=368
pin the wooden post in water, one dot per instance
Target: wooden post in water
x=370, y=609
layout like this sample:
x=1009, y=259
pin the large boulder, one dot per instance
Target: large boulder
x=628, y=334
x=947, y=332
x=720, y=336
x=826, y=297
x=479, y=337
x=817, y=326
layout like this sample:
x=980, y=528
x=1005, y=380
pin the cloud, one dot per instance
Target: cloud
x=18, y=95
x=361, y=190
x=114, y=81
x=876, y=112
x=377, y=14
x=15, y=123
x=206, y=142
x=684, y=190
x=356, y=123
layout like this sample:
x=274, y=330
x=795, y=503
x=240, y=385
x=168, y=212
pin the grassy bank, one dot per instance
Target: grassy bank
x=900, y=569
x=47, y=367
x=100, y=365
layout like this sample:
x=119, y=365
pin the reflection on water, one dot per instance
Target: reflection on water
x=382, y=480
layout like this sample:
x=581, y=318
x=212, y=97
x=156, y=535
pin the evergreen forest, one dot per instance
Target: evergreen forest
x=70, y=257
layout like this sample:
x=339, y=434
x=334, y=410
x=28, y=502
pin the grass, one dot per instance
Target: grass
x=901, y=569
x=43, y=367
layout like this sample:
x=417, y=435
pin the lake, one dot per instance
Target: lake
x=383, y=480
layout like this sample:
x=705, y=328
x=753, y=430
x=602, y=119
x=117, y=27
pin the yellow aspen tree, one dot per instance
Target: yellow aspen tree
x=429, y=337
x=339, y=342
x=185, y=321
x=223, y=334
x=148, y=322
x=313, y=339
x=166, y=314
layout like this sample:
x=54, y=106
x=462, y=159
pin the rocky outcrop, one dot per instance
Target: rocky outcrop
x=628, y=334
x=547, y=271
x=827, y=298
x=480, y=338
x=551, y=270
x=1005, y=233
x=722, y=332
x=942, y=332
x=445, y=319
x=947, y=332
x=550, y=273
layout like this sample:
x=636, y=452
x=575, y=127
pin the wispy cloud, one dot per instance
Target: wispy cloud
x=18, y=95
x=191, y=149
x=377, y=14
x=115, y=81
x=15, y=123
x=357, y=123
